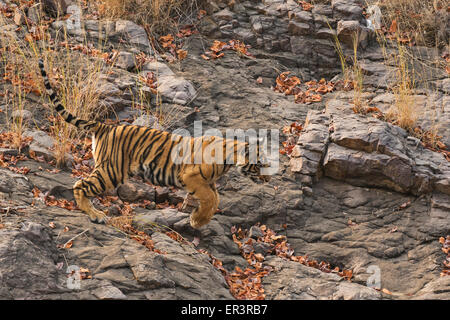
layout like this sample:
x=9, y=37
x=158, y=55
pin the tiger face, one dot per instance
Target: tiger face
x=255, y=170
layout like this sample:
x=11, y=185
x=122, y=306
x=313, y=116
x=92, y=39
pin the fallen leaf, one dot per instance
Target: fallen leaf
x=68, y=245
x=405, y=205
x=393, y=27
x=181, y=54
x=386, y=291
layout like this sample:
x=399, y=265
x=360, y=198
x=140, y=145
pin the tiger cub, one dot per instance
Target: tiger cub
x=121, y=151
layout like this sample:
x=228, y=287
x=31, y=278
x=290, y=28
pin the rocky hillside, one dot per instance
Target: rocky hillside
x=360, y=207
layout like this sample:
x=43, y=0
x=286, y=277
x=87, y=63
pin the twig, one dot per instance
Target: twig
x=73, y=238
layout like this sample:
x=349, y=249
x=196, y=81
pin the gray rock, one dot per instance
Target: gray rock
x=176, y=90
x=133, y=191
x=366, y=151
x=158, y=68
x=125, y=60
x=109, y=292
x=147, y=120
x=348, y=31
x=298, y=28
x=294, y=281
x=41, y=144
x=55, y=7
x=36, y=251
x=255, y=232
x=347, y=9
x=135, y=35
x=24, y=114
x=224, y=15
x=165, y=218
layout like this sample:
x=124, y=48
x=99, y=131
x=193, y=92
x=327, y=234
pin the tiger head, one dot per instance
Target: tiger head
x=254, y=169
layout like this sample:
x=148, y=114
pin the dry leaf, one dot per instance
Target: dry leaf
x=386, y=291
x=393, y=27
x=68, y=245
x=181, y=54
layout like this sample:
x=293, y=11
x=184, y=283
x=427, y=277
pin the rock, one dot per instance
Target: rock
x=165, y=218
x=365, y=151
x=56, y=8
x=189, y=204
x=10, y=152
x=348, y=31
x=302, y=16
x=147, y=120
x=19, y=17
x=224, y=15
x=35, y=12
x=24, y=114
x=326, y=33
x=133, y=192
x=125, y=60
x=347, y=9
x=177, y=197
x=72, y=25
x=61, y=192
x=294, y=281
x=434, y=290
x=377, y=170
x=108, y=89
x=298, y=28
x=109, y=292
x=162, y=194
x=11, y=182
x=29, y=252
x=255, y=232
x=135, y=34
x=41, y=144
x=158, y=68
x=311, y=145
x=176, y=90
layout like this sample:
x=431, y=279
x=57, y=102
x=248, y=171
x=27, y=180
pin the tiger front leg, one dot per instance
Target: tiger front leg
x=90, y=187
x=208, y=203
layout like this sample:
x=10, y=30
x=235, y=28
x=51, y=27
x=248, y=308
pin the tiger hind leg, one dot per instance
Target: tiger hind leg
x=94, y=185
x=208, y=199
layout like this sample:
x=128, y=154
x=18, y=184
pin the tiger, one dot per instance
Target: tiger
x=123, y=151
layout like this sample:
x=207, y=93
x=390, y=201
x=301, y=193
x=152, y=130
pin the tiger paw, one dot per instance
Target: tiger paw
x=98, y=216
x=197, y=223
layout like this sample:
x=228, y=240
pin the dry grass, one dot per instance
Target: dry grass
x=408, y=23
x=404, y=111
x=77, y=79
x=351, y=71
x=75, y=76
x=159, y=15
x=425, y=21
